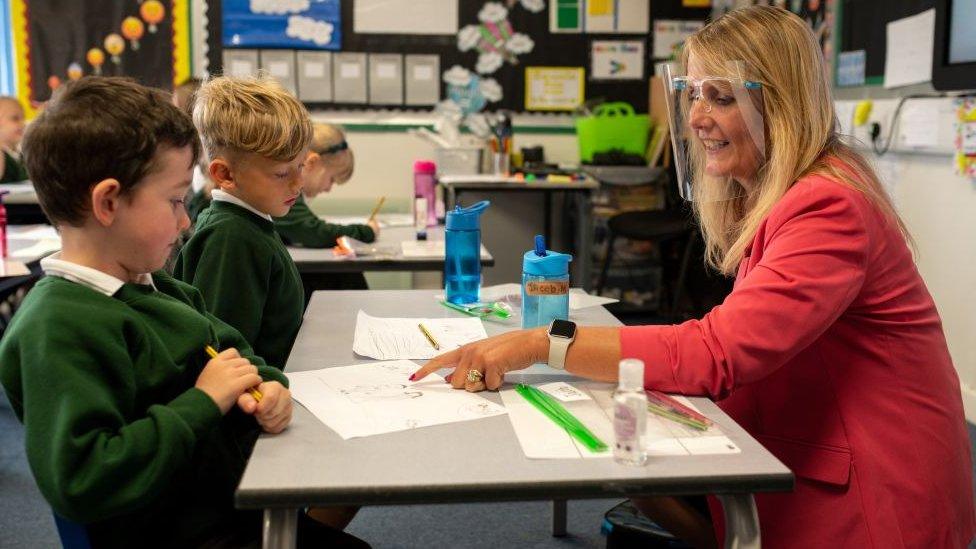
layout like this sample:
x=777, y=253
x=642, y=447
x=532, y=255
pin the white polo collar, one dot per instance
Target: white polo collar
x=101, y=282
x=224, y=196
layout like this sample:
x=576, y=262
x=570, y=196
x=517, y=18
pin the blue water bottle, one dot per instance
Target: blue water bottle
x=545, y=285
x=462, y=259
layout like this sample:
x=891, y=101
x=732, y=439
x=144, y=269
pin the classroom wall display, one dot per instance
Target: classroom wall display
x=553, y=88
x=819, y=14
x=494, y=41
x=670, y=36
x=600, y=16
x=965, y=141
x=302, y=24
x=864, y=26
x=617, y=60
x=414, y=17
x=56, y=41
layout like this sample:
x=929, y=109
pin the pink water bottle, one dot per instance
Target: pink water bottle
x=3, y=228
x=424, y=183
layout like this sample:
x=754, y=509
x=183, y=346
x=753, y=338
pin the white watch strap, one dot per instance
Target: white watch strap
x=558, y=346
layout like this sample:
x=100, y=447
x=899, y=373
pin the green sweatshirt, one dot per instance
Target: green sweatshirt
x=13, y=169
x=301, y=227
x=117, y=436
x=246, y=276
x=196, y=203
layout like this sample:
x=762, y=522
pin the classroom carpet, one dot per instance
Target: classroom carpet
x=25, y=519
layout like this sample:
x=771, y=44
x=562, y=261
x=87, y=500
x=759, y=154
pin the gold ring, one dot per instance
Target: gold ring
x=474, y=376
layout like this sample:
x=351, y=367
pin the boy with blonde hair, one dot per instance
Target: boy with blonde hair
x=256, y=137
x=131, y=430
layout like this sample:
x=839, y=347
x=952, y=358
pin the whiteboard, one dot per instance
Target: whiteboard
x=405, y=16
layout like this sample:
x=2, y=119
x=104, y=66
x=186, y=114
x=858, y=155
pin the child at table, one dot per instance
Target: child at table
x=131, y=430
x=256, y=136
x=330, y=161
x=11, y=131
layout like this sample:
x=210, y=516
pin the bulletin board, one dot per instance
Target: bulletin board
x=550, y=49
x=863, y=26
x=56, y=41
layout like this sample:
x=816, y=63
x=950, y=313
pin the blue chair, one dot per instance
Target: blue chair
x=72, y=534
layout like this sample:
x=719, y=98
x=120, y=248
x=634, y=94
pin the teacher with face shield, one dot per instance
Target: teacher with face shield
x=829, y=349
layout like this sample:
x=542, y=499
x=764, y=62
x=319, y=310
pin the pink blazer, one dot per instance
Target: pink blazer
x=830, y=352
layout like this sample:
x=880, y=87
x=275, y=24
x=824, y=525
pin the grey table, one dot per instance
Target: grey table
x=581, y=190
x=388, y=256
x=310, y=465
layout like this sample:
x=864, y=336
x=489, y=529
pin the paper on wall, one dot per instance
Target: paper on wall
x=908, y=51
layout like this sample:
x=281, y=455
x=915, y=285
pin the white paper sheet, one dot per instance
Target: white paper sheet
x=908, y=55
x=564, y=391
x=33, y=232
x=541, y=438
x=40, y=248
x=376, y=398
x=429, y=248
x=400, y=338
x=919, y=125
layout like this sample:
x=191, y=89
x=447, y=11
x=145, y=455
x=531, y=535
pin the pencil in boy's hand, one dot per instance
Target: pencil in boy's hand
x=253, y=392
x=376, y=210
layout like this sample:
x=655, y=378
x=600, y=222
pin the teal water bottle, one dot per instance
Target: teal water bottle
x=462, y=255
x=545, y=285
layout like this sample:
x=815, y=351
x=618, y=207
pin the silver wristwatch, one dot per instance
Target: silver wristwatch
x=561, y=336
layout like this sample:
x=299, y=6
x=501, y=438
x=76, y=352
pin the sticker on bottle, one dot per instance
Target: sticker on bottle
x=539, y=287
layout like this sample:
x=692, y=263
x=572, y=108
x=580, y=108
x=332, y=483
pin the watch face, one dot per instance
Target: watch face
x=562, y=328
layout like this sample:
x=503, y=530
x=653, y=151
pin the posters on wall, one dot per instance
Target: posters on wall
x=299, y=24
x=617, y=59
x=850, y=68
x=600, y=16
x=414, y=17
x=553, y=88
x=670, y=35
x=56, y=41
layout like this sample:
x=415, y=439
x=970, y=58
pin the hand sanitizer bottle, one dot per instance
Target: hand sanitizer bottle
x=630, y=414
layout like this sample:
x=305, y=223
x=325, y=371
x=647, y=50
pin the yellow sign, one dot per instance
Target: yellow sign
x=554, y=88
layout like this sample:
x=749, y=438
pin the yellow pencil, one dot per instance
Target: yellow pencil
x=376, y=210
x=254, y=392
x=429, y=337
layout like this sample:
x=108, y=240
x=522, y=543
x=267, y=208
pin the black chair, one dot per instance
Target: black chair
x=657, y=226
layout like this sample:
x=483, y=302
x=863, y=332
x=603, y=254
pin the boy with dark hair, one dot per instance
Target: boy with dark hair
x=130, y=429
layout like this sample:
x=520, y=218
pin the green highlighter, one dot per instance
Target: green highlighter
x=484, y=311
x=561, y=417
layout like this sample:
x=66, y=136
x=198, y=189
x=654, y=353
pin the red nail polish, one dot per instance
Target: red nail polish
x=412, y=376
x=447, y=378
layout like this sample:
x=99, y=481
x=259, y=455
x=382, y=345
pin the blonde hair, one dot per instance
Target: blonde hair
x=801, y=128
x=329, y=141
x=251, y=115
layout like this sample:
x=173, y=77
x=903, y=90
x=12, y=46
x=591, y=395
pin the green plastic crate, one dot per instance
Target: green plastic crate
x=612, y=126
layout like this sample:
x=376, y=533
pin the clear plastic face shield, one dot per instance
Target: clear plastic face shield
x=717, y=131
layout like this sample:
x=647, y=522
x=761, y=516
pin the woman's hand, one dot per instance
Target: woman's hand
x=490, y=359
